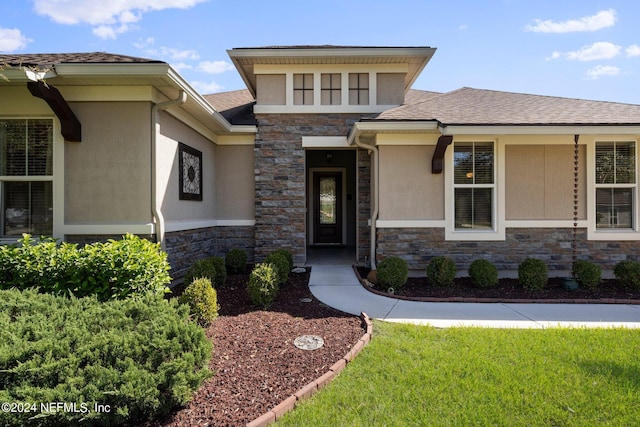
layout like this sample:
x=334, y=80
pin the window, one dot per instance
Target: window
x=331, y=89
x=26, y=176
x=358, y=89
x=615, y=185
x=303, y=89
x=474, y=185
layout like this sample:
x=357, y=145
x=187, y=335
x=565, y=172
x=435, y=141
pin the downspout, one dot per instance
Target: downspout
x=374, y=196
x=156, y=209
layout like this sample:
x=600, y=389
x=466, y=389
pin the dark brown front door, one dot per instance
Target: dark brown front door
x=327, y=205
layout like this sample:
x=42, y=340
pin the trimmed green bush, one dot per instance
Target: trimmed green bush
x=393, y=272
x=533, y=274
x=236, y=261
x=628, y=273
x=263, y=285
x=139, y=357
x=483, y=273
x=287, y=254
x=280, y=263
x=441, y=271
x=117, y=269
x=202, y=268
x=221, y=271
x=202, y=300
x=587, y=274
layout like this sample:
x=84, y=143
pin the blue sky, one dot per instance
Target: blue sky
x=572, y=48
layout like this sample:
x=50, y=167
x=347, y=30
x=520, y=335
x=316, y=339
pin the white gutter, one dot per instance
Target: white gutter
x=155, y=123
x=374, y=194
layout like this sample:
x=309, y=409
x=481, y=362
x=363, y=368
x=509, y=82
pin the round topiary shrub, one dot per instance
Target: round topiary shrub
x=236, y=261
x=533, y=274
x=281, y=265
x=221, y=271
x=263, y=285
x=393, y=272
x=287, y=254
x=202, y=300
x=628, y=273
x=587, y=274
x=201, y=268
x=441, y=271
x=483, y=273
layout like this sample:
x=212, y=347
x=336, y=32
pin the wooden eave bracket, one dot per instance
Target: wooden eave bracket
x=71, y=128
x=437, y=161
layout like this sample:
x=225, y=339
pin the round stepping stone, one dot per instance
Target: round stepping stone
x=308, y=342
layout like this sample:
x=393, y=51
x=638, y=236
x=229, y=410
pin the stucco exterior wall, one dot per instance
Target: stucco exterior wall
x=271, y=89
x=234, y=182
x=17, y=101
x=539, y=182
x=408, y=189
x=172, y=132
x=390, y=88
x=108, y=175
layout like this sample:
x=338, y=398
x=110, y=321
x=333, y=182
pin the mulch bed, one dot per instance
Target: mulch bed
x=509, y=290
x=255, y=362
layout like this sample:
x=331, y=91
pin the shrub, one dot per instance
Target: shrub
x=533, y=274
x=263, y=285
x=483, y=273
x=236, y=261
x=202, y=268
x=202, y=300
x=281, y=265
x=221, y=271
x=587, y=274
x=141, y=357
x=392, y=272
x=628, y=273
x=117, y=269
x=441, y=271
x=287, y=254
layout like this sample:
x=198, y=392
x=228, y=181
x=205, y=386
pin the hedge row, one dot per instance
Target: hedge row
x=117, y=269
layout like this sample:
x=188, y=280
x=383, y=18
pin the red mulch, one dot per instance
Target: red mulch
x=255, y=363
x=510, y=290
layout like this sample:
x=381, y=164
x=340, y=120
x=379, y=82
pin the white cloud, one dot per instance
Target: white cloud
x=214, y=67
x=12, y=39
x=602, y=70
x=596, y=51
x=633, y=50
x=109, y=18
x=602, y=19
x=179, y=66
x=462, y=27
x=206, y=88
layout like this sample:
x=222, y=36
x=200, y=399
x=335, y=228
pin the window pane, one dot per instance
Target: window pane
x=483, y=167
x=614, y=208
x=40, y=154
x=463, y=163
x=331, y=85
x=359, y=89
x=28, y=208
x=328, y=200
x=615, y=163
x=13, y=147
x=473, y=208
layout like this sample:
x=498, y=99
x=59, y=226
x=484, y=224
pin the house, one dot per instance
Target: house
x=327, y=146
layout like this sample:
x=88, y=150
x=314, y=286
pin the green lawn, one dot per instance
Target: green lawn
x=421, y=376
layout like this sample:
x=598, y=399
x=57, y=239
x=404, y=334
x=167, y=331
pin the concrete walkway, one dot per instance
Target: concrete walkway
x=338, y=287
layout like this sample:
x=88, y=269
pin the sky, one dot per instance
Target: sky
x=588, y=49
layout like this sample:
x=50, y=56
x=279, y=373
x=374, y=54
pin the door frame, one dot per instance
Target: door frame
x=311, y=207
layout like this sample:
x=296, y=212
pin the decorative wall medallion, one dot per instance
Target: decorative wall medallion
x=190, y=164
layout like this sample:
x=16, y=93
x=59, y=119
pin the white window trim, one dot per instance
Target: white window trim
x=498, y=232
x=593, y=233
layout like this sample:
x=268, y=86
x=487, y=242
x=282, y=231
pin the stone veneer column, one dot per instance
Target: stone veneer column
x=280, y=201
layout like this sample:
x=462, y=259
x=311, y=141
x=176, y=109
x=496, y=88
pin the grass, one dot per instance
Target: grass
x=421, y=376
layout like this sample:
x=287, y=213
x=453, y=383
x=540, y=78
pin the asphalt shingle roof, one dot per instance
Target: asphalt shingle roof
x=71, y=58
x=235, y=106
x=468, y=106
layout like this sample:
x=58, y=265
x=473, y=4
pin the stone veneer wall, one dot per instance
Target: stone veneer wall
x=364, y=206
x=185, y=247
x=280, y=193
x=418, y=245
